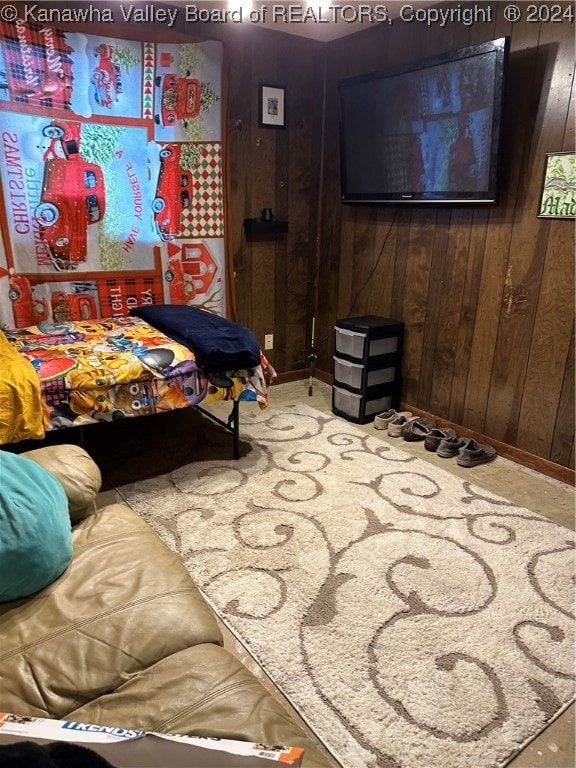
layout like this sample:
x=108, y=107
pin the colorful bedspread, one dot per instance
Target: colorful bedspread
x=122, y=367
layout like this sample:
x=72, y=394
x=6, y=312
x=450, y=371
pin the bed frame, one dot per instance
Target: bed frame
x=232, y=425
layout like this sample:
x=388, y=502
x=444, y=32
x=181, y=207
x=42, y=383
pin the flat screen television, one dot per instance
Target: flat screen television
x=425, y=132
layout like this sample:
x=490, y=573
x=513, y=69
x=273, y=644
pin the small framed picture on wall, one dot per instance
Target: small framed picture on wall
x=558, y=199
x=272, y=106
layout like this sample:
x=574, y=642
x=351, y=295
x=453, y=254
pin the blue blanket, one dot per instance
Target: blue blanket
x=218, y=344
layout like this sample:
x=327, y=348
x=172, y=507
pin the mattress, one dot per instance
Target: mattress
x=122, y=367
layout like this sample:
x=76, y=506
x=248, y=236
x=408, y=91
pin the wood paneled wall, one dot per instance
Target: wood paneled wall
x=486, y=293
x=276, y=168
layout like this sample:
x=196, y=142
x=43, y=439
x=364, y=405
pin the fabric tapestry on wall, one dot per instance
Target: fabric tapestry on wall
x=111, y=175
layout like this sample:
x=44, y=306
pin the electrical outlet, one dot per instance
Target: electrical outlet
x=269, y=341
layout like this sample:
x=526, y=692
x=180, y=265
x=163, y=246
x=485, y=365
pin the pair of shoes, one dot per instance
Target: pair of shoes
x=417, y=429
x=435, y=437
x=398, y=423
x=469, y=453
x=472, y=453
x=382, y=420
x=450, y=446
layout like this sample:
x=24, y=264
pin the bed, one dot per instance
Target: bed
x=59, y=375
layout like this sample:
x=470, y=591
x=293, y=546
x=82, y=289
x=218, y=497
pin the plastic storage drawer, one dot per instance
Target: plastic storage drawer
x=359, y=408
x=358, y=376
x=367, y=338
x=361, y=346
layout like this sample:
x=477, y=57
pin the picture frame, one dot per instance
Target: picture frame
x=271, y=106
x=558, y=199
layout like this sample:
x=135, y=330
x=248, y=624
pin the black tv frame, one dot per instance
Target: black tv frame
x=501, y=47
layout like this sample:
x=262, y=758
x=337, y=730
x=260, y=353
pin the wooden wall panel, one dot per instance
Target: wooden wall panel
x=562, y=451
x=486, y=293
x=381, y=286
x=550, y=344
x=303, y=154
x=263, y=158
x=417, y=282
x=327, y=281
x=545, y=75
x=432, y=360
x=275, y=168
x=469, y=316
x=364, y=253
x=450, y=297
x=239, y=139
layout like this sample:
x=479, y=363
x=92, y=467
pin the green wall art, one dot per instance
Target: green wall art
x=559, y=190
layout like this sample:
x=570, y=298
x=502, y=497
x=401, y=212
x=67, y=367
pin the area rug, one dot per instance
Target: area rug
x=412, y=618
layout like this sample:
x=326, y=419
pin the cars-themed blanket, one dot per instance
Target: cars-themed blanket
x=121, y=367
x=112, y=172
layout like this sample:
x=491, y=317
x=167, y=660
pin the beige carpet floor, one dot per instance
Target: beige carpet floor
x=413, y=619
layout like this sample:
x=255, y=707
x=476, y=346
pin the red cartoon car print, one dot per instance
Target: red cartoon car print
x=180, y=99
x=73, y=197
x=107, y=77
x=173, y=192
x=27, y=309
x=181, y=285
x=67, y=307
x=192, y=274
x=64, y=140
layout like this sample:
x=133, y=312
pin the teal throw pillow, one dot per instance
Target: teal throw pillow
x=35, y=529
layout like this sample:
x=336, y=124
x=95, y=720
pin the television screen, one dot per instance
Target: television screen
x=425, y=132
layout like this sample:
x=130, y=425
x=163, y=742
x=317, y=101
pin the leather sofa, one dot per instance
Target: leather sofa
x=124, y=638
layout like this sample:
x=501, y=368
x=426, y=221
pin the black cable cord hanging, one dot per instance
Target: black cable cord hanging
x=311, y=355
x=375, y=267
x=315, y=344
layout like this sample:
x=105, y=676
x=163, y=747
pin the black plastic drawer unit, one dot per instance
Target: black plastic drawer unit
x=367, y=367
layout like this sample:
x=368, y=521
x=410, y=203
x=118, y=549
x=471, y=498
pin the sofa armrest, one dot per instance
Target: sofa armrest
x=77, y=472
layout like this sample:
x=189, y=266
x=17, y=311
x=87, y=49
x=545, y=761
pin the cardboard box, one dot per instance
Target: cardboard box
x=130, y=748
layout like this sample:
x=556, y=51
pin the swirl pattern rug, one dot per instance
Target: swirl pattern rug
x=413, y=619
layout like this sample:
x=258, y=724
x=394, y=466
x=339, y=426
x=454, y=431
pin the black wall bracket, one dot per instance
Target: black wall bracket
x=268, y=228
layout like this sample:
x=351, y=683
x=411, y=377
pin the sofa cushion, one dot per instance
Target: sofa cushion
x=125, y=602
x=78, y=473
x=35, y=531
